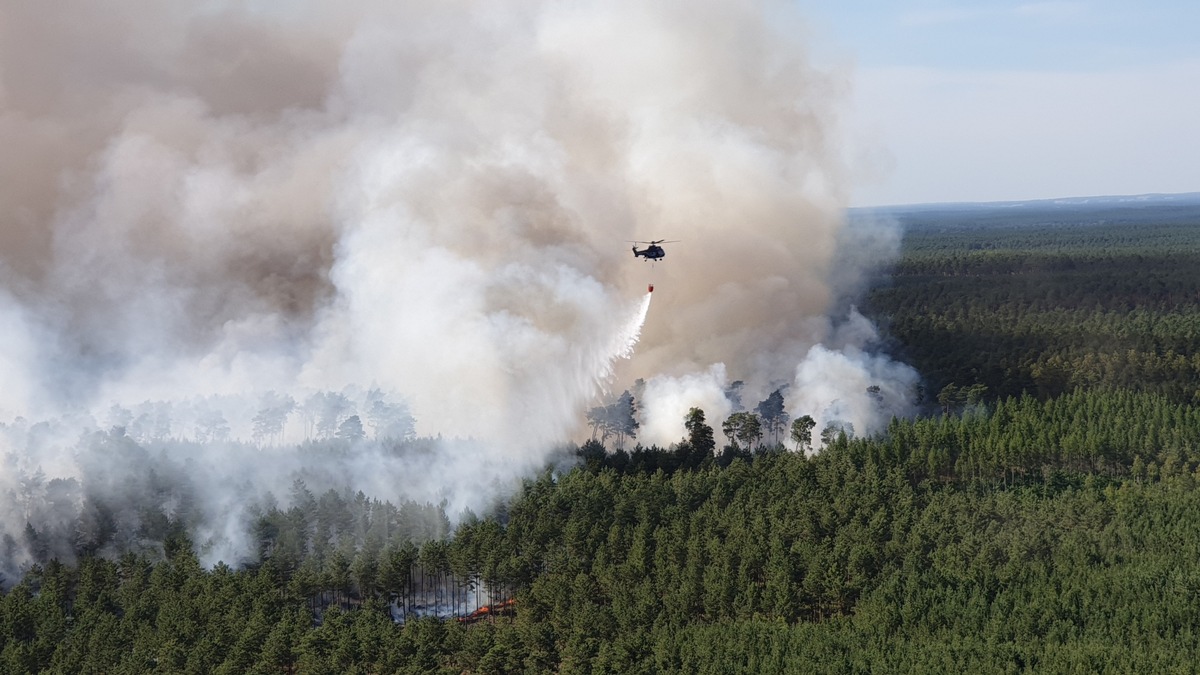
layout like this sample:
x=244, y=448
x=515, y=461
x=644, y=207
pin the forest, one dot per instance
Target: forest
x=1038, y=515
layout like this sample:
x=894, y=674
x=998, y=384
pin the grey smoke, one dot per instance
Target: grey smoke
x=206, y=201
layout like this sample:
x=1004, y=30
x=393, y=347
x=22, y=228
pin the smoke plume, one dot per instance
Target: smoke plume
x=433, y=200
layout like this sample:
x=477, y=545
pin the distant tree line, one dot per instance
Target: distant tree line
x=1047, y=308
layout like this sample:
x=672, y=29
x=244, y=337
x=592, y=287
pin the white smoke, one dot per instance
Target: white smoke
x=18, y=347
x=666, y=401
x=202, y=202
x=833, y=387
x=842, y=379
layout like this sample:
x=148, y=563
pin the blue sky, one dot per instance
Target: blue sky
x=981, y=101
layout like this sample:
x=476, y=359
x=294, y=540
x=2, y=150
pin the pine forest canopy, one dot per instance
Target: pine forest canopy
x=1037, y=515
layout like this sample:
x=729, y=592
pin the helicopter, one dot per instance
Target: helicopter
x=653, y=251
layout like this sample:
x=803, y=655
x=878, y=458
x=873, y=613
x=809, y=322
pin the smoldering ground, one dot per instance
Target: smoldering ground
x=210, y=199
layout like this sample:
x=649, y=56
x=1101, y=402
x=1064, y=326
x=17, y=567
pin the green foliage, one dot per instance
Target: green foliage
x=1048, y=303
x=744, y=427
x=1002, y=539
x=802, y=432
x=1041, y=518
x=700, y=435
x=774, y=417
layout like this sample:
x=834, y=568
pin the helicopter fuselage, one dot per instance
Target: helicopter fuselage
x=652, y=252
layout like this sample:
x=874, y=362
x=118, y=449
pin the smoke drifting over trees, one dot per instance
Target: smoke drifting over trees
x=431, y=199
